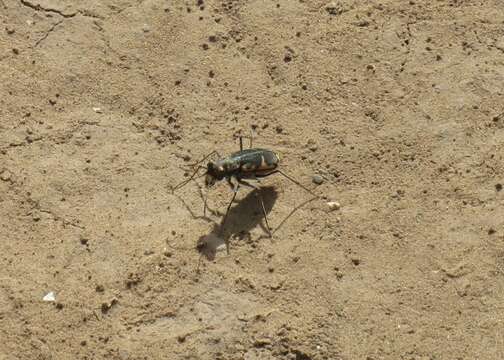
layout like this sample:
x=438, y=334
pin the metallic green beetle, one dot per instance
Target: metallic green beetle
x=248, y=164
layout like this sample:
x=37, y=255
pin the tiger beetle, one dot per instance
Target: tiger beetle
x=248, y=164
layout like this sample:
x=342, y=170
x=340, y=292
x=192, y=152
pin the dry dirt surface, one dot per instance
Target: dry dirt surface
x=397, y=106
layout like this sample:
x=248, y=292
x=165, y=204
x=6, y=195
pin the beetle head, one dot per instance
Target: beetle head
x=211, y=174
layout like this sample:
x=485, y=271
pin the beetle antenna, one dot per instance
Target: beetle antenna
x=183, y=183
x=206, y=157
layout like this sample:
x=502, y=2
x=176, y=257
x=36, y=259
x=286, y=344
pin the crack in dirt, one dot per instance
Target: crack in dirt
x=139, y=2
x=36, y=206
x=55, y=217
x=39, y=41
x=38, y=7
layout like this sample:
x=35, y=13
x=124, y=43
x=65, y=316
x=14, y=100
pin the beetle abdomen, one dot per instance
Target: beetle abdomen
x=256, y=161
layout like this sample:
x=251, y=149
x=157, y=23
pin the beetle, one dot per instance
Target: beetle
x=237, y=169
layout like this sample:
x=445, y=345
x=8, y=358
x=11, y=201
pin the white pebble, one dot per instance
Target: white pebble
x=50, y=296
x=333, y=205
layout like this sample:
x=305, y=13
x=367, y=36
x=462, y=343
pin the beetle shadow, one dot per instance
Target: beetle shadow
x=242, y=218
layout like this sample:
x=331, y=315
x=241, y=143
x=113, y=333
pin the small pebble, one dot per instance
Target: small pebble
x=317, y=179
x=333, y=8
x=333, y=205
x=50, y=296
x=5, y=175
x=124, y=355
x=261, y=342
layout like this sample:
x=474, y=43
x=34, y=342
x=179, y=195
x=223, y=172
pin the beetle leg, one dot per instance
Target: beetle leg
x=223, y=223
x=250, y=138
x=244, y=183
x=233, y=186
x=255, y=179
x=294, y=181
x=247, y=184
x=204, y=197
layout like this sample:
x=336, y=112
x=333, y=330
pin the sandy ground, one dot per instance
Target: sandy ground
x=396, y=104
